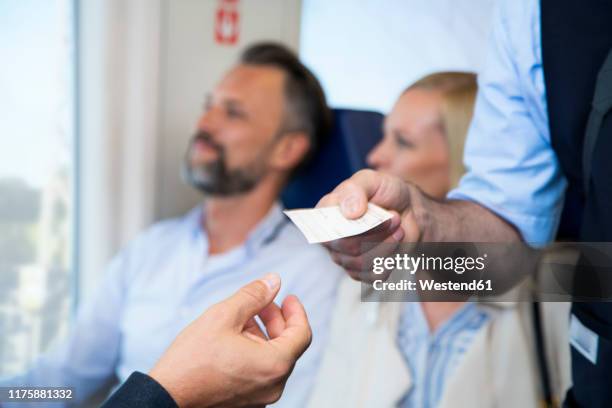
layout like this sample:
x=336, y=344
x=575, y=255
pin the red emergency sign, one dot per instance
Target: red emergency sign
x=227, y=22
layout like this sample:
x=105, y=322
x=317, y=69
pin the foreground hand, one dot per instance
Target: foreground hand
x=224, y=359
x=353, y=195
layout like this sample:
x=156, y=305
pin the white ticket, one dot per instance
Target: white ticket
x=328, y=224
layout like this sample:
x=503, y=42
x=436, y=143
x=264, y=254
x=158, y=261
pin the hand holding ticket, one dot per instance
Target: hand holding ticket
x=357, y=198
x=328, y=224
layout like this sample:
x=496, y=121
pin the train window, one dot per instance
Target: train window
x=37, y=177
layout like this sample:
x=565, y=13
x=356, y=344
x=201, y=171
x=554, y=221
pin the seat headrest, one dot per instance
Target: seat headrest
x=354, y=133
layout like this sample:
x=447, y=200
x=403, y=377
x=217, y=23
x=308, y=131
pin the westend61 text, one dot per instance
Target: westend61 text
x=431, y=284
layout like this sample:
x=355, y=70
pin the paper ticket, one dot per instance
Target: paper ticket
x=328, y=224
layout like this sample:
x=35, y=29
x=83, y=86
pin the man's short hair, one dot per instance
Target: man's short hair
x=306, y=108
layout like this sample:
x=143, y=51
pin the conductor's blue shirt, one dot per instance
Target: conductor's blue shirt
x=511, y=166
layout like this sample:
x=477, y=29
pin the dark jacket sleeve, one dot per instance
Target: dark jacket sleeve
x=140, y=390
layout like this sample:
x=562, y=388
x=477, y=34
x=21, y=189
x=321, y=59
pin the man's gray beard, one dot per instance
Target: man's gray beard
x=216, y=180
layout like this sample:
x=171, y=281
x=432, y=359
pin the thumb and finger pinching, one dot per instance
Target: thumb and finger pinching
x=251, y=299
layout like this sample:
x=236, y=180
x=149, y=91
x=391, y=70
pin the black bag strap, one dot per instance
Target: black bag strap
x=602, y=103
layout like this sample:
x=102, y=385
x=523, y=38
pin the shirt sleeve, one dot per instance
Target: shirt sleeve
x=86, y=360
x=511, y=166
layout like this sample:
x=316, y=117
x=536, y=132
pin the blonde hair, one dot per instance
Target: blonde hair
x=458, y=96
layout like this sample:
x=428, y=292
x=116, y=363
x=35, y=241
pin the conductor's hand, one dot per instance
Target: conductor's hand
x=224, y=358
x=353, y=195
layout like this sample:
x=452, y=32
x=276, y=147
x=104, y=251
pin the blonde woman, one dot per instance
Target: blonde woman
x=423, y=144
x=430, y=354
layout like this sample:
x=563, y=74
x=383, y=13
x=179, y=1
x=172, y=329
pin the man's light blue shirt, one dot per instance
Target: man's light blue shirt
x=511, y=166
x=165, y=279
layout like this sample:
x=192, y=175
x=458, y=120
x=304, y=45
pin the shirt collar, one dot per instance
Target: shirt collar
x=263, y=233
x=267, y=229
x=468, y=316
